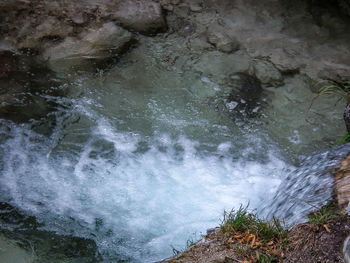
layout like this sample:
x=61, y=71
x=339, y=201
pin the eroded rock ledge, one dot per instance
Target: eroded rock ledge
x=287, y=36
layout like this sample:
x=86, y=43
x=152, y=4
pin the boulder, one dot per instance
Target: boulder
x=92, y=46
x=145, y=16
x=217, y=36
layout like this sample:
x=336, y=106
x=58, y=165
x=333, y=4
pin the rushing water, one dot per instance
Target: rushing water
x=139, y=160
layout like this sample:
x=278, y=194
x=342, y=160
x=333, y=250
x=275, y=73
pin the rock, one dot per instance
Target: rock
x=267, y=73
x=145, y=17
x=196, y=7
x=286, y=61
x=7, y=59
x=14, y=4
x=91, y=46
x=218, y=66
x=50, y=28
x=342, y=183
x=345, y=5
x=11, y=251
x=217, y=36
x=7, y=64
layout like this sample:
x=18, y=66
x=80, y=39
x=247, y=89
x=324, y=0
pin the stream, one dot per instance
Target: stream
x=139, y=159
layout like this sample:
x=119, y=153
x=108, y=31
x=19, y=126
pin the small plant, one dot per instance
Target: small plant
x=344, y=139
x=335, y=89
x=325, y=214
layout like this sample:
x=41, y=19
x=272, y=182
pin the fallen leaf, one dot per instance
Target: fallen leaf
x=253, y=240
x=258, y=243
x=238, y=236
x=252, y=259
x=270, y=243
x=326, y=227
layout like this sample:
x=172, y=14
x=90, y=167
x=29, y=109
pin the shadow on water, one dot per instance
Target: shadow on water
x=27, y=89
x=48, y=246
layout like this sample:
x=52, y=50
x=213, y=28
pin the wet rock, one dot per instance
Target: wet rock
x=7, y=64
x=181, y=26
x=141, y=16
x=223, y=42
x=286, y=61
x=342, y=183
x=91, y=46
x=267, y=73
x=50, y=28
x=196, y=7
x=200, y=44
x=218, y=66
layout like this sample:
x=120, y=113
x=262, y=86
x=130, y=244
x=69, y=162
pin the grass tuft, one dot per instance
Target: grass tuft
x=345, y=139
x=244, y=221
x=325, y=214
x=253, y=238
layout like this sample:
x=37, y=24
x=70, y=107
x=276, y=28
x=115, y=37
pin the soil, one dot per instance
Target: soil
x=306, y=243
x=310, y=243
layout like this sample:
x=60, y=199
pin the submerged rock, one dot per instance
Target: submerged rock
x=11, y=251
x=145, y=17
x=223, y=42
x=267, y=73
x=48, y=246
x=92, y=46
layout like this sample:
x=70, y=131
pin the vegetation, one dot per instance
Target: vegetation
x=253, y=238
x=344, y=139
x=325, y=214
x=243, y=237
x=334, y=88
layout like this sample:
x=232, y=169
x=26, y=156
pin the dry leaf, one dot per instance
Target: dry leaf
x=253, y=240
x=270, y=243
x=252, y=259
x=326, y=227
x=258, y=243
x=238, y=236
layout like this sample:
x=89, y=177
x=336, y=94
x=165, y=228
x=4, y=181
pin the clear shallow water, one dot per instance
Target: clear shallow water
x=137, y=163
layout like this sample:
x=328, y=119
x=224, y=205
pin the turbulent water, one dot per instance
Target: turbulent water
x=139, y=160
